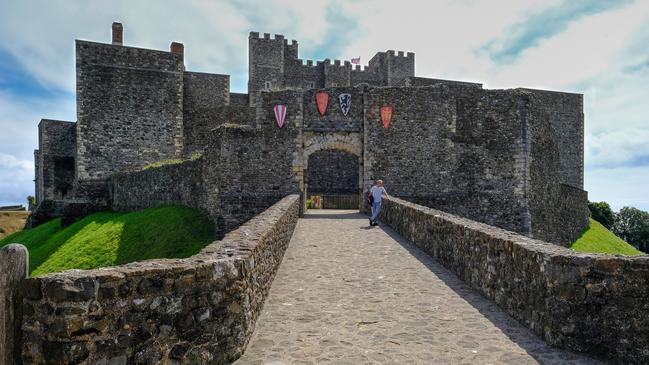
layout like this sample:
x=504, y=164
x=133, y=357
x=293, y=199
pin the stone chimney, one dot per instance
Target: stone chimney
x=118, y=32
x=177, y=48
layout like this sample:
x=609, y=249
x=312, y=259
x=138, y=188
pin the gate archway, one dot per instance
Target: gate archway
x=333, y=176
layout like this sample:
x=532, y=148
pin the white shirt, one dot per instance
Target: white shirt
x=377, y=192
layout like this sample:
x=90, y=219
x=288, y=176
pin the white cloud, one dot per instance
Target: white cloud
x=11, y=162
x=618, y=148
x=624, y=186
x=15, y=179
x=19, y=137
x=19, y=118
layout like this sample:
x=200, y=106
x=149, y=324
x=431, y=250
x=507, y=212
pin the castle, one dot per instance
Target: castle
x=509, y=158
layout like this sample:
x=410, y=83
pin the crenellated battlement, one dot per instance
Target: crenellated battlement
x=275, y=37
x=400, y=54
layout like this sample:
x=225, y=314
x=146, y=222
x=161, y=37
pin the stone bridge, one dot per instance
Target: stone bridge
x=350, y=294
x=323, y=287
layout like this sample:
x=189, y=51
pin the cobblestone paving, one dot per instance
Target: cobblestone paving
x=349, y=294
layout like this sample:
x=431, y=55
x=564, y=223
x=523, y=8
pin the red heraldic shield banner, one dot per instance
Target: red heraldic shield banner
x=386, y=116
x=280, y=114
x=322, y=100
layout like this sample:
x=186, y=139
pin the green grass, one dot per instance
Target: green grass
x=114, y=238
x=597, y=239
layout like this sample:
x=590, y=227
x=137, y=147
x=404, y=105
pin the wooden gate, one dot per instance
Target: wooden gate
x=339, y=201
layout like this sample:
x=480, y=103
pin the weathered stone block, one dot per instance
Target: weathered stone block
x=14, y=267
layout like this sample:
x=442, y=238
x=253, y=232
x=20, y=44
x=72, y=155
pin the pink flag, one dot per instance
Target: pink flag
x=356, y=61
x=280, y=114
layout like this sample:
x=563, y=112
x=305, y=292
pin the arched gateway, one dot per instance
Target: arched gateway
x=332, y=168
x=333, y=177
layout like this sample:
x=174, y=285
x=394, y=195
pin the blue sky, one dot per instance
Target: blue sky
x=598, y=48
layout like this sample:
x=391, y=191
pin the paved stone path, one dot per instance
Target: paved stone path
x=349, y=294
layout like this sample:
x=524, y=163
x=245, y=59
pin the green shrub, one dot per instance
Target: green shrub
x=602, y=212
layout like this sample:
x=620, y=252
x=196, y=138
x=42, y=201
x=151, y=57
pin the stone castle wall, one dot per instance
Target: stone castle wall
x=199, y=310
x=204, y=90
x=205, y=101
x=130, y=108
x=54, y=159
x=334, y=120
x=489, y=155
x=243, y=172
x=584, y=302
x=558, y=212
x=180, y=184
x=197, y=127
x=566, y=114
x=452, y=150
x=425, y=81
x=497, y=156
x=251, y=168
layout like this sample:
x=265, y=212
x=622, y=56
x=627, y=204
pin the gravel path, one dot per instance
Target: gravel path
x=349, y=294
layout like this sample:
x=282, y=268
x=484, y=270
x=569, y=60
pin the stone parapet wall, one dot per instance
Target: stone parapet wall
x=590, y=303
x=179, y=183
x=197, y=310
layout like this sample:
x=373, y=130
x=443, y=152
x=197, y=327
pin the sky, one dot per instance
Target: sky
x=595, y=47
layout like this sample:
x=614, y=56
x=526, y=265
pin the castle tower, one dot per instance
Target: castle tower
x=400, y=66
x=266, y=63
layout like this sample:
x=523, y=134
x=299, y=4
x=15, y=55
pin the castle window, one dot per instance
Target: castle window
x=311, y=84
x=268, y=85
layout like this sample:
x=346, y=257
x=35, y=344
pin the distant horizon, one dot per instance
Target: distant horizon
x=594, y=48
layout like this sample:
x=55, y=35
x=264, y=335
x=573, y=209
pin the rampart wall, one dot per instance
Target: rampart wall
x=590, y=303
x=199, y=310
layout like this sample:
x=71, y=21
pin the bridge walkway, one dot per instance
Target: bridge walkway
x=349, y=294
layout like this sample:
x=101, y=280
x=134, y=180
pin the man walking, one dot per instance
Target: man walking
x=377, y=192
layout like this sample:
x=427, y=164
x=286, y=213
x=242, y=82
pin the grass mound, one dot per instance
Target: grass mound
x=12, y=221
x=597, y=239
x=114, y=238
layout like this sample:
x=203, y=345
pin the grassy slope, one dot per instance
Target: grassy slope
x=11, y=222
x=597, y=239
x=113, y=238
